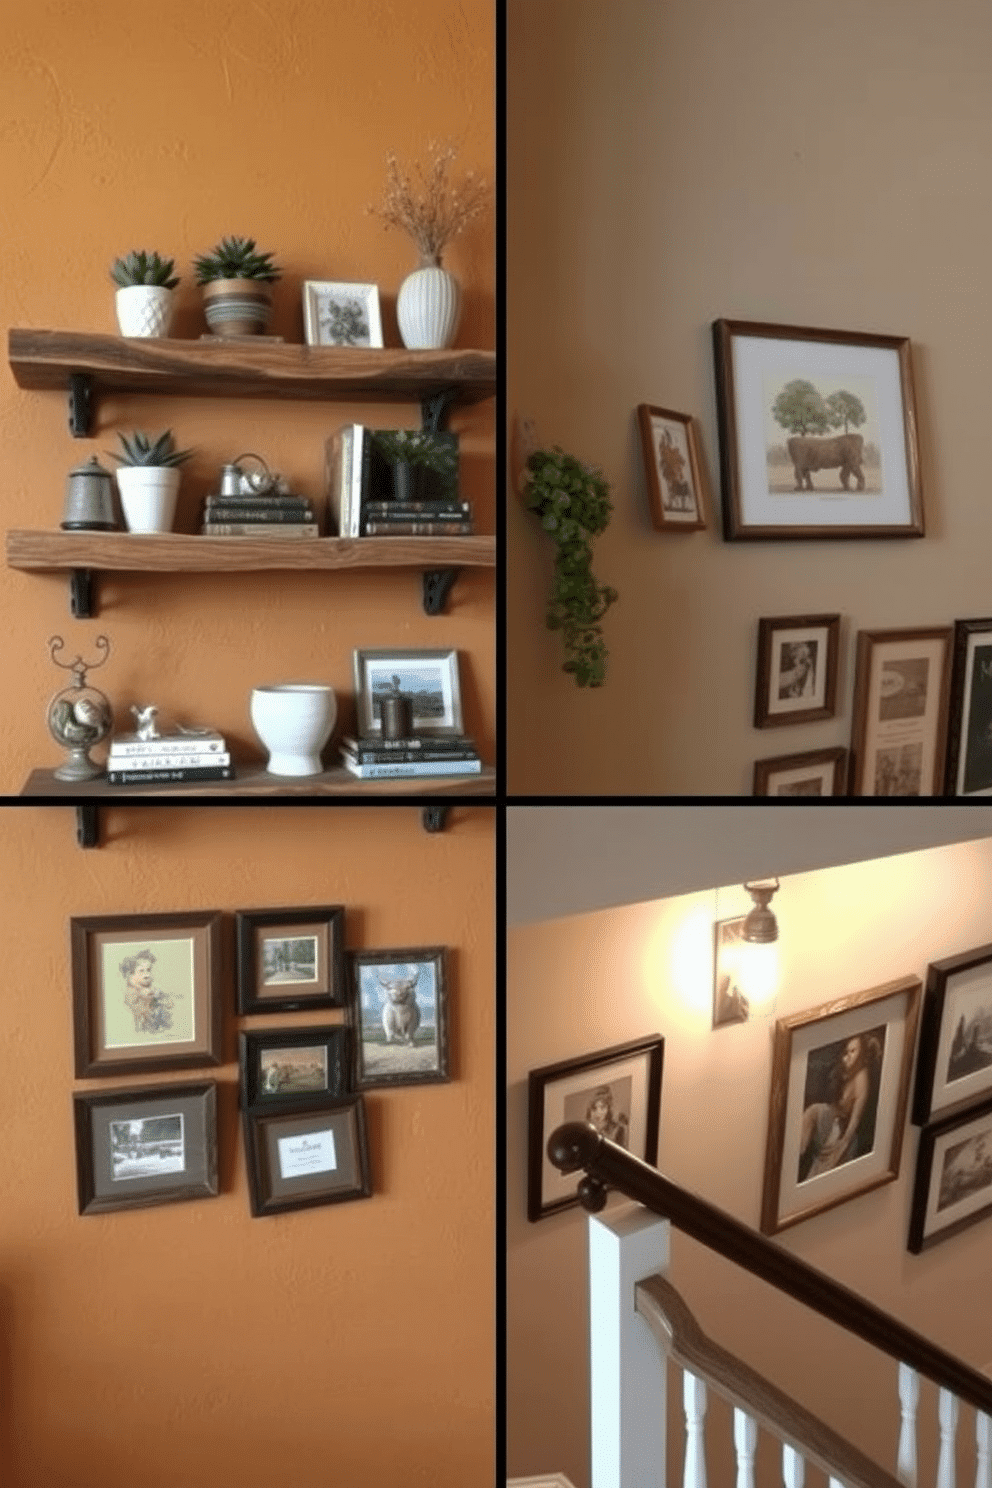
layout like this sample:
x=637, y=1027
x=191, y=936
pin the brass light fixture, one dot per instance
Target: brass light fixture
x=759, y=959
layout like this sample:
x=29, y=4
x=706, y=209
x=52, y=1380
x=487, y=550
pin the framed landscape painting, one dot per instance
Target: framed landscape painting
x=429, y=679
x=144, y=1145
x=953, y=1187
x=672, y=468
x=294, y=1064
x=290, y=960
x=955, y=1063
x=969, y=730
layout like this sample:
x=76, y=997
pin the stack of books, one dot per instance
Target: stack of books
x=171, y=758
x=374, y=758
x=417, y=519
x=258, y=516
x=360, y=489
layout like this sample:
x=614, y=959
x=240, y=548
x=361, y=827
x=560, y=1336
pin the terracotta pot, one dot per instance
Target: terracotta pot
x=237, y=307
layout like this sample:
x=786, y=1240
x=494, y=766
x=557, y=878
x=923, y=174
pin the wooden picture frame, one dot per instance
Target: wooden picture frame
x=899, y=728
x=300, y=1157
x=837, y=1109
x=618, y=1089
x=817, y=773
x=954, y=1071
x=673, y=468
x=953, y=1186
x=399, y=1015
x=969, y=731
x=143, y=1145
x=146, y=992
x=783, y=393
x=428, y=678
x=337, y=314
x=290, y=960
x=797, y=669
x=304, y=1064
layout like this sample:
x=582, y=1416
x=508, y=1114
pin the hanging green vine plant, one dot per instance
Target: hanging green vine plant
x=573, y=503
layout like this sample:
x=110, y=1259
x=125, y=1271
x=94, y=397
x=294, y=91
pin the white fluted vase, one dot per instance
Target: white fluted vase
x=427, y=308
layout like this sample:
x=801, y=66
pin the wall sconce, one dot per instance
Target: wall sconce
x=745, y=972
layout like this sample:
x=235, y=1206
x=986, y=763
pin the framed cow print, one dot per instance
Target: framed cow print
x=817, y=433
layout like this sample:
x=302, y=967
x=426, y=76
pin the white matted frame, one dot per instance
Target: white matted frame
x=339, y=314
x=429, y=679
x=797, y=669
x=955, y=1064
x=672, y=468
x=899, y=728
x=953, y=1187
x=819, y=772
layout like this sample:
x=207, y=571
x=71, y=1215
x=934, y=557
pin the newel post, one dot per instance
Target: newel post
x=627, y=1367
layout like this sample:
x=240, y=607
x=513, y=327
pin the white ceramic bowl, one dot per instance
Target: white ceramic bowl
x=294, y=721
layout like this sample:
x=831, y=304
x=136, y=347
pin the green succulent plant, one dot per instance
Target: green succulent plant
x=573, y=503
x=416, y=447
x=142, y=449
x=139, y=267
x=234, y=258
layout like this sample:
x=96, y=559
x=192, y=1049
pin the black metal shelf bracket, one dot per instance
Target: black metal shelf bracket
x=88, y=825
x=434, y=411
x=81, y=593
x=80, y=404
x=438, y=583
x=434, y=818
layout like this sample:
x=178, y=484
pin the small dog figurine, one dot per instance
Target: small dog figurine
x=144, y=721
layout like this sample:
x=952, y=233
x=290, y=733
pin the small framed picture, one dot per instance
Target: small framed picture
x=672, y=468
x=400, y=1017
x=294, y=1064
x=899, y=729
x=729, y=1003
x=144, y=1145
x=341, y=314
x=820, y=772
x=840, y=1087
x=290, y=960
x=969, y=733
x=817, y=433
x=146, y=992
x=429, y=679
x=955, y=1064
x=299, y=1158
x=953, y=1187
x=797, y=669
x=616, y=1090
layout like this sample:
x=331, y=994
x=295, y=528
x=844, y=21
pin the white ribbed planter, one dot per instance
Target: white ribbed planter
x=294, y=721
x=145, y=309
x=148, y=496
x=427, y=309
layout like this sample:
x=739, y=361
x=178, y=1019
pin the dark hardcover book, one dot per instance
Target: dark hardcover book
x=387, y=756
x=302, y=513
x=266, y=503
x=412, y=769
x=382, y=527
x=455, y=743
x=423, y=509
x=169, y=777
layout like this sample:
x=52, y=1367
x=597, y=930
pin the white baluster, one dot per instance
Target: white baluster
x=694, y=1401
x=983, y=1441
x=909, y=1398
x=836, y=1483
x=745, y=1440
x=793, y=1467
x=947, y=1415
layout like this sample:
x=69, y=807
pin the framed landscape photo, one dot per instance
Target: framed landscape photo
x=341, y=314
x=429, y=679
x=819, y=772
x=969, y=732
x=294, y=1064
x=616, y=1090
x=290, y=960
x=797, y=669
x=400, y=1017
x=817, y=433
x=145, y=1145
x=953, y=1187
x=839, y=1091
x=955, y=1063
x=146, y=992
x=899, y=728
x=299, y=1157
x=672, y=468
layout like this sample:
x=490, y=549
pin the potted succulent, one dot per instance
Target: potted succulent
x=145, y=301
x=148, y=480
x=410, y=450
x=237, y=287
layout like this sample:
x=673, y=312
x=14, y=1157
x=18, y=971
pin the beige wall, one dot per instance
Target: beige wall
x=583, y=983
x=671, y=164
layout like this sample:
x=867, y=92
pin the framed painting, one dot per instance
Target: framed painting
x=819, y=772
x=146, y=992
x=797, y=669
x=294, y=1064
x=400, y=1017
x=899, y=729
x=299, y=1158
x=337, y=314
x=969, y=732
x=955, y=1064
x=672, y=468
x=145, y=1145
x=839, y=1091
x=729, y=1003
x=290, y=960
x=428, y=679
x=818, y=433
x=617, y=1090
x=953, y=1187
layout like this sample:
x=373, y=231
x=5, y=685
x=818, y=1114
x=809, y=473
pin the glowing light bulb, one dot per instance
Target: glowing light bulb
x=757, y=975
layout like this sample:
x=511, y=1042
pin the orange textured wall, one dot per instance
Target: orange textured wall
x=191, y=1344
x=272, y=121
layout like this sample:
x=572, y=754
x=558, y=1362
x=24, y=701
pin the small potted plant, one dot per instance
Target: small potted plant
x=145, y=301
x=237, y=285
x=410, y=450
x=148, y=480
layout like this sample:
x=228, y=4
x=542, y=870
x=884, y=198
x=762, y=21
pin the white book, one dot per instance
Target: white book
x=165, y=761
x=411, y=769
x=127, y=746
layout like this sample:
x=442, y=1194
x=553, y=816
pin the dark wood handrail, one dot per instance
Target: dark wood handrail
x=577, y=1146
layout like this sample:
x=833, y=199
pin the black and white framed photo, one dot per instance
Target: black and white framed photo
x=953, y=1187
x=294, y=1064
x=145, y=1145
x=797, y=669
x=954, y=1070
x=337, y=314
x=616, y=1090
x=400, y=1016
x=902, y=682
x=290, y=960
x=299, y=1158
x=969, y=726
x=429, y=680
x=817, y=772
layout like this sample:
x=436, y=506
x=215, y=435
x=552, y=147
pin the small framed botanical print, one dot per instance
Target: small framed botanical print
x=672, y=469
x=144, y=1145
x=797, y=669
x=294, y=1063
x=290, y=960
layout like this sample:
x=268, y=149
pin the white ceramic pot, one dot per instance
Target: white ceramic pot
x=427, y=309
x=148, y=496
x=145, y=309
x=294, y=721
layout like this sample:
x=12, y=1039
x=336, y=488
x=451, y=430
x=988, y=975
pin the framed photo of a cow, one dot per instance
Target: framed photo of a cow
x=817, y=433
x=673, y=469
x=399, y=1015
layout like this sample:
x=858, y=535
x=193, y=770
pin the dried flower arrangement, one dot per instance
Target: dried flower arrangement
x=427, y=205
